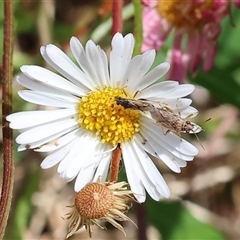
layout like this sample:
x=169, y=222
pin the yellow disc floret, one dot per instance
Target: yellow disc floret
x=99, y=112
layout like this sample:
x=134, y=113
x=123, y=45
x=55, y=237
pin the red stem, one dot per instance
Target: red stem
x=8, y=165
x=141, y=214
x=114, y=168
x=117, y=16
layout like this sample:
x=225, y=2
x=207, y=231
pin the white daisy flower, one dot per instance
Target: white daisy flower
x=87, y=124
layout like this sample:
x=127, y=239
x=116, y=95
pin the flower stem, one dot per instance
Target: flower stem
x=117, y=16
x=138, y=26
x=8, y=165
x=114, y=168
x=141, y=214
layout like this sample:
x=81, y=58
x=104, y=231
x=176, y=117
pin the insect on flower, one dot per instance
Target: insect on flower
x=87, y=122
x=163, y=116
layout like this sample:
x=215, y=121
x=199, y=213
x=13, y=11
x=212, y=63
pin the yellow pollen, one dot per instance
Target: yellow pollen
x=99, y=113
x=186, y=14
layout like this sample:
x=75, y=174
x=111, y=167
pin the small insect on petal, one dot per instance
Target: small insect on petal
x=163, y=116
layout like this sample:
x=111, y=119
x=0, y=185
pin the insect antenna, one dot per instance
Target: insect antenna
x=202, y=130
x=199, y=141
x=207, y=120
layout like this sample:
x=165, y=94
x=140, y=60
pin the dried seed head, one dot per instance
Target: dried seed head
x=100, y=201
x=94, y=201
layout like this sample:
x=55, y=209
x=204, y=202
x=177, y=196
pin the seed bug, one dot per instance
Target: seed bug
x=141, y=105
x=163, y=116
x=174, y=122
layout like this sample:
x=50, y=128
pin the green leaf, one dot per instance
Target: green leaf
x=228, y=50
x=174, y=222
x=63, y=31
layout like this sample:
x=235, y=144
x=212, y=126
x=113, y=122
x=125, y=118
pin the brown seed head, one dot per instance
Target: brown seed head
x=94, y=200
x=108, y=202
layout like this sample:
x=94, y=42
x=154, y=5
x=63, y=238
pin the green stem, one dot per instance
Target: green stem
x=8, y=165
x=138, y=26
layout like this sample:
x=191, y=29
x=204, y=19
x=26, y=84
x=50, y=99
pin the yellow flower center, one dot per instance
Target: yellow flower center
x=186, y=14
x=99, y=112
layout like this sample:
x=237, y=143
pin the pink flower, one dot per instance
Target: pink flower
x=196, y=26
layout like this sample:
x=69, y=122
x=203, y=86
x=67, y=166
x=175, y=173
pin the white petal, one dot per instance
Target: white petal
x=166, y=91
x=70, y=136
x=151, y=171
x=82, y=181
x=154, y=75
x=47, y=140
x=94, y=62
x=98, y=61
x=120, y=56
x=56, y=156
x=46, y=130
x=84, y=152
x=176, y=105
x=161, y=152
x=189, y=112
x=181, y=163
x=181, y=91
x=64, y=65
x=86, y=174
x=195, y=128
x=155, y=149
x=133, y=171
x=73, y=163
x=22, y=147
x=134, y=154
x=158, y=90
x=41, y=99
x=73, y=156
x=51, y=79
x=154, y=145
x=137, y=68
x=103, y=167
x=80, y=55
x=140, y=138
x=81, y=152
x=170, y=139
x=62, y=141
x=45, y=90
x=28, y=119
